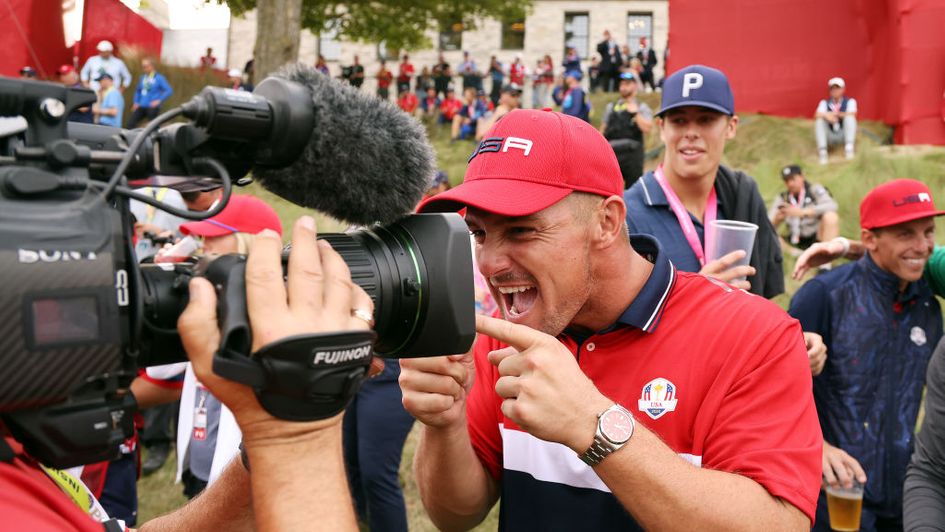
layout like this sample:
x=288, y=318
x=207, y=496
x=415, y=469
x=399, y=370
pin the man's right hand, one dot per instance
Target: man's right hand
x=817, y=255
x=724, y=269
x=435, y=388
x=840, y=469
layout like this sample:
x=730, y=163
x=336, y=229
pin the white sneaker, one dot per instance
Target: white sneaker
x=823, y=157
x=848, y=152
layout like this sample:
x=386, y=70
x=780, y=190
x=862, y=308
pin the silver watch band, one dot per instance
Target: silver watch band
x=597, y=451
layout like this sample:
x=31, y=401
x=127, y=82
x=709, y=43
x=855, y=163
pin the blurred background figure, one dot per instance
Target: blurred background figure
x=153, y=89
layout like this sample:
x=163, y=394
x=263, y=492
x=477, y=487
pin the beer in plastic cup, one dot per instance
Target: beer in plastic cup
x=729, y=236
x=844, y=506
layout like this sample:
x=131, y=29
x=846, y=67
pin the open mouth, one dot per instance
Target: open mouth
x=691, y=153
x=518, y=300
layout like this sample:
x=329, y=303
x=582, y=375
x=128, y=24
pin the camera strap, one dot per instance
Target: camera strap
x=304, y=377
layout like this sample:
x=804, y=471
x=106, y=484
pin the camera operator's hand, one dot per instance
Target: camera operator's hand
x=297, y=468
x=319, y=297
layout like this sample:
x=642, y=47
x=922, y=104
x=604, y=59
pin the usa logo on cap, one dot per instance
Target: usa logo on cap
x=658, y=398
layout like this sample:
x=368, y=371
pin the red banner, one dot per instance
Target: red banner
x=779, y=54
x=31, y=35
x=112, y=20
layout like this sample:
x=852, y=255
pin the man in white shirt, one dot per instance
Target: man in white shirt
x=835, y=121
x=105, y=63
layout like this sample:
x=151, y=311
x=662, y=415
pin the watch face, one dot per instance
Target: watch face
x=616, y=426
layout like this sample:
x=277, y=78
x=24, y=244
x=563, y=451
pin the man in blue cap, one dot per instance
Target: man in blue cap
x=690, y=188
x=574, y=101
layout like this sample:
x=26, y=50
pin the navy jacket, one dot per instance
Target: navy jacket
x=878, y=347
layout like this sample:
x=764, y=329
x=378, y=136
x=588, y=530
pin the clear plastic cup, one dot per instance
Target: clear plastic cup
x=730, y=235
x=845, y=506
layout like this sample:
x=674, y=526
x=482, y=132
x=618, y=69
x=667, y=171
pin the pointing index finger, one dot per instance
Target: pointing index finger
x=518, y=336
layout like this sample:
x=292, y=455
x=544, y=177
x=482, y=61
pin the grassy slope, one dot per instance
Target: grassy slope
x=763, y=145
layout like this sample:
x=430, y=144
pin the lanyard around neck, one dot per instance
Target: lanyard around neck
x=685, y=219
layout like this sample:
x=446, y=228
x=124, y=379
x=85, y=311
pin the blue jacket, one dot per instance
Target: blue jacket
x=150, y=88
x=878, y=346
x=574, y=104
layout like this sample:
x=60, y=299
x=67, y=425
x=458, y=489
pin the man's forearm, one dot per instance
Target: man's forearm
x=456, y=490
x=300, y=482
x=663, y=492
x=224, y=505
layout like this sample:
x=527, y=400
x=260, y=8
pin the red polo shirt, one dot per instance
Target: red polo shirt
x=719, y=374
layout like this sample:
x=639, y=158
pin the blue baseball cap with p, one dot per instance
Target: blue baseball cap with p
x=700, y=86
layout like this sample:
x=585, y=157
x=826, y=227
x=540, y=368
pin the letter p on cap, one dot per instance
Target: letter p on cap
x=692, y=80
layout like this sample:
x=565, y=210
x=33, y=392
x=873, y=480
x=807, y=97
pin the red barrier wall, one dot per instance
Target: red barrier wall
x=31, y=35
x=112, y=20
x=779, y=54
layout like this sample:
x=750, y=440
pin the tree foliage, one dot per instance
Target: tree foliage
x=400, y=24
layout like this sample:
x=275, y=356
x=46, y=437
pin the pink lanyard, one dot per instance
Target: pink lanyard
x=799, y=202
x=685, y=220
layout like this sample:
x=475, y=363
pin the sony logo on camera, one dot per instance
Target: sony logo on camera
x=29, y=256
x=342, y=355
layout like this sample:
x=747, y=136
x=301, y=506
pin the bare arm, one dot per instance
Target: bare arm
x=825, y=252
x=149, y=394
x=225, y=505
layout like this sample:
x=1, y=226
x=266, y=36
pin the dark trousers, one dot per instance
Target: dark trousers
x=869, y=521
x=375, y=429
x=646, y=78
x=142, y=113
x=383, y=93
x=159, y=424
x=120, y=494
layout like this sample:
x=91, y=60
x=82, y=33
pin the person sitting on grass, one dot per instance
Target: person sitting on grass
x=464, y=123
x=808, y=210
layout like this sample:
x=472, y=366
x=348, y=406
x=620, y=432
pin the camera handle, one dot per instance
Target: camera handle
x=300, y=378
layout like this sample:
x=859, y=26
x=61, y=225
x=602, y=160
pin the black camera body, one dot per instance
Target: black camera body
x=79, y=315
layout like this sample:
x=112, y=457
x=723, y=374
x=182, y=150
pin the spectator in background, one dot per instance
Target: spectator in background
x=807, y=209
x=610, y=62
x=208, y=61
x=105, y=63
x=464, y=123
x=430, y=104
x=321, y=65
x=357, y=73
x=249, y=70
x=835, y=121
x=543, y=79
x=110, y=104
x=470, y=73
x=484, y=101
x=509, y=100
x=27, y=72
x=153, y=89
x=574, y=101
x=440, y=183
x=384, y=79
x=624, y=124
x=423, y=82
x=408, y=102
x=572, y=61
x=517, y=71
x=593, y=74
x=405, y=73
x=442, y=74
x=497, y=75
x=449, y=107
x=647, y=57
x=881, y=322
x=70, y=78
x=235, y=78
x=557, y=92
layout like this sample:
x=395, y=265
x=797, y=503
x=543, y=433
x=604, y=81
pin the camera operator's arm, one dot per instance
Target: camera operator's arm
x=148, y=393
x=298, y=477
x=224, y=505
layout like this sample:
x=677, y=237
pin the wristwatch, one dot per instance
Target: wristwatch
x=614, y=429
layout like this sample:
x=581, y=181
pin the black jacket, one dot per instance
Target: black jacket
x=740, y=200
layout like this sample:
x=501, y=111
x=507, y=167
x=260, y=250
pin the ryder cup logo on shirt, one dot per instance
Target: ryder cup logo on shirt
x=917, y=335
x=658, y=398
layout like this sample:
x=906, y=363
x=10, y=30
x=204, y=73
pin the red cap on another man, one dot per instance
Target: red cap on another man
x=243, y=214
x=895, y=202
x=530, y=160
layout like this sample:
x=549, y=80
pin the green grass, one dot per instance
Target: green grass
x=762, y=146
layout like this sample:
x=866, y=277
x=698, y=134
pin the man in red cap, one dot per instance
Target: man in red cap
x=880, y=322
x=618, y=393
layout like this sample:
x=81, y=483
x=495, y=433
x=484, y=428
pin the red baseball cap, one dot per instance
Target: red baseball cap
x=529, y=161
x=65, y=69
x=896, y=202
x=243, y=214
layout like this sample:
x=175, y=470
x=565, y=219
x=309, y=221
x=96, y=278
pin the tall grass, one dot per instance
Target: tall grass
x=762, y=146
